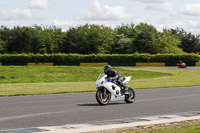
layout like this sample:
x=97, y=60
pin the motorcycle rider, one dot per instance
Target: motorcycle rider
x=181, y=64
x=112, y=74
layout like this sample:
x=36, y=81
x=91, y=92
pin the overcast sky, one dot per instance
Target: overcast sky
x=71, y=13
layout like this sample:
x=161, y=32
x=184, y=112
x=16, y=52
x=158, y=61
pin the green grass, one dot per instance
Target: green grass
x=42, y=74
x=34, y=80
x=180, y=78
x=177, y=129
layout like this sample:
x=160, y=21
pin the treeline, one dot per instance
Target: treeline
x=97, y=39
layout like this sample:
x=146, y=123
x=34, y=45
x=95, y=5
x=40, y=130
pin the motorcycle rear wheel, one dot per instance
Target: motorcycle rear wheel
x=131, y=97
x=101, y=99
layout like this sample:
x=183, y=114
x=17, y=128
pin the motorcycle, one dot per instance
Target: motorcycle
x=108, y=90
x=181, y=65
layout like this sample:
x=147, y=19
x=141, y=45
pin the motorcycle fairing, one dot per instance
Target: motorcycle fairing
x=127, y=79
x=114, y=90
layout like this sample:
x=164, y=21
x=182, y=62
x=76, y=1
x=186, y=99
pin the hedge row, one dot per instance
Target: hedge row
x=114, y=58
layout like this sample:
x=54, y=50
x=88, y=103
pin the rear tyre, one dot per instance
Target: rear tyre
x=101, y=99
x=130, y=98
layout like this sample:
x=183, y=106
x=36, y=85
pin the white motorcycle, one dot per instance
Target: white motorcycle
x=108, y=91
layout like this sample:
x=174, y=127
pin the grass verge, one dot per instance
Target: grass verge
x=192, y=126
x=68, y=79
x=180, y=78
x=42, y=74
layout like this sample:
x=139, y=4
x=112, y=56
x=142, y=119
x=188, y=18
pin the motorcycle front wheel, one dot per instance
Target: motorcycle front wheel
x=101, y=98
x=130, y=98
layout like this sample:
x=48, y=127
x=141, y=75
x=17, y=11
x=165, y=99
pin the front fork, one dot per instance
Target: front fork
x=104, y=93
x=123, y=89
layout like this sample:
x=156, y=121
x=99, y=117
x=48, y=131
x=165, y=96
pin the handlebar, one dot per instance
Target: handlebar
x=110, y=80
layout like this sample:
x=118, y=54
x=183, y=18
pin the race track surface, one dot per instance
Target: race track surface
x=61, y=109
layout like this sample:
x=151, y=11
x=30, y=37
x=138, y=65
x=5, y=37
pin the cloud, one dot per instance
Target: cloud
x=159, y=7
x=100, y=12
x=191, y=10
x=184, y=18
x=10, y=23
x=39, y=4
x=63, y=24
x=169, y=25
x=194, y=24
x=151, y=1
x=16, y=14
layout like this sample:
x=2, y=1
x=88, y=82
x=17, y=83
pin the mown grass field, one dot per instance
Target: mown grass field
x=191, y=126
x=177, y=129
x=33, y=80
x=42, y=74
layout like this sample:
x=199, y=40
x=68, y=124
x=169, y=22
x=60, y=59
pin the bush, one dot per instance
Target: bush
x=111, y=58
x=174, y=58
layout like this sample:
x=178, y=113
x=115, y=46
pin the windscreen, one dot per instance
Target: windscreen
x=101, y=75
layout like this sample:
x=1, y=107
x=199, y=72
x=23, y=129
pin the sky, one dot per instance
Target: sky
x=72, y=13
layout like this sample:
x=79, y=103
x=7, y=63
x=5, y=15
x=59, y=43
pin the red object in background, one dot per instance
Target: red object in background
x=181, y=65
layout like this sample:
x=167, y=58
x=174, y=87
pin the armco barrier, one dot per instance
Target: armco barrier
x=14, y=64
x=66, y=64
x=162, y=64
x=170, y=64
x=190, y=64
x=40, y=64
x=187, y=64
x=150, y=64
x=122, y=64
x=93, y=64
x=197, y=63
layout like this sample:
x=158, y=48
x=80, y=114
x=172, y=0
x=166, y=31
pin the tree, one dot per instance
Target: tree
x=89, y=39
x=2, y=46
x=122, y=44
x=124, y=35
x=189, y=42
x=49, y=39
x=32, y=39
x=127, y=30
x=169, y=43
x=4, y=37
x=71, y=41
x=19, y=39
x=148, y=40
x=144, y=40
x=105, y=39
x=95, y=39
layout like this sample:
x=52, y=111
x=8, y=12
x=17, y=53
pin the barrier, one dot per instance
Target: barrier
x=161, y=64
x=40, y=64
x=122, y=64
x=93, y=64
x=150, y=64
x=197, y=63
x=14, y=64
x=66, y=64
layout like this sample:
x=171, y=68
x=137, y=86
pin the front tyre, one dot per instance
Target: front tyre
x=101, y=98
x=130, y=98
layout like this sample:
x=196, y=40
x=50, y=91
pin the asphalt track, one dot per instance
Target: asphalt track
x=60, y=109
